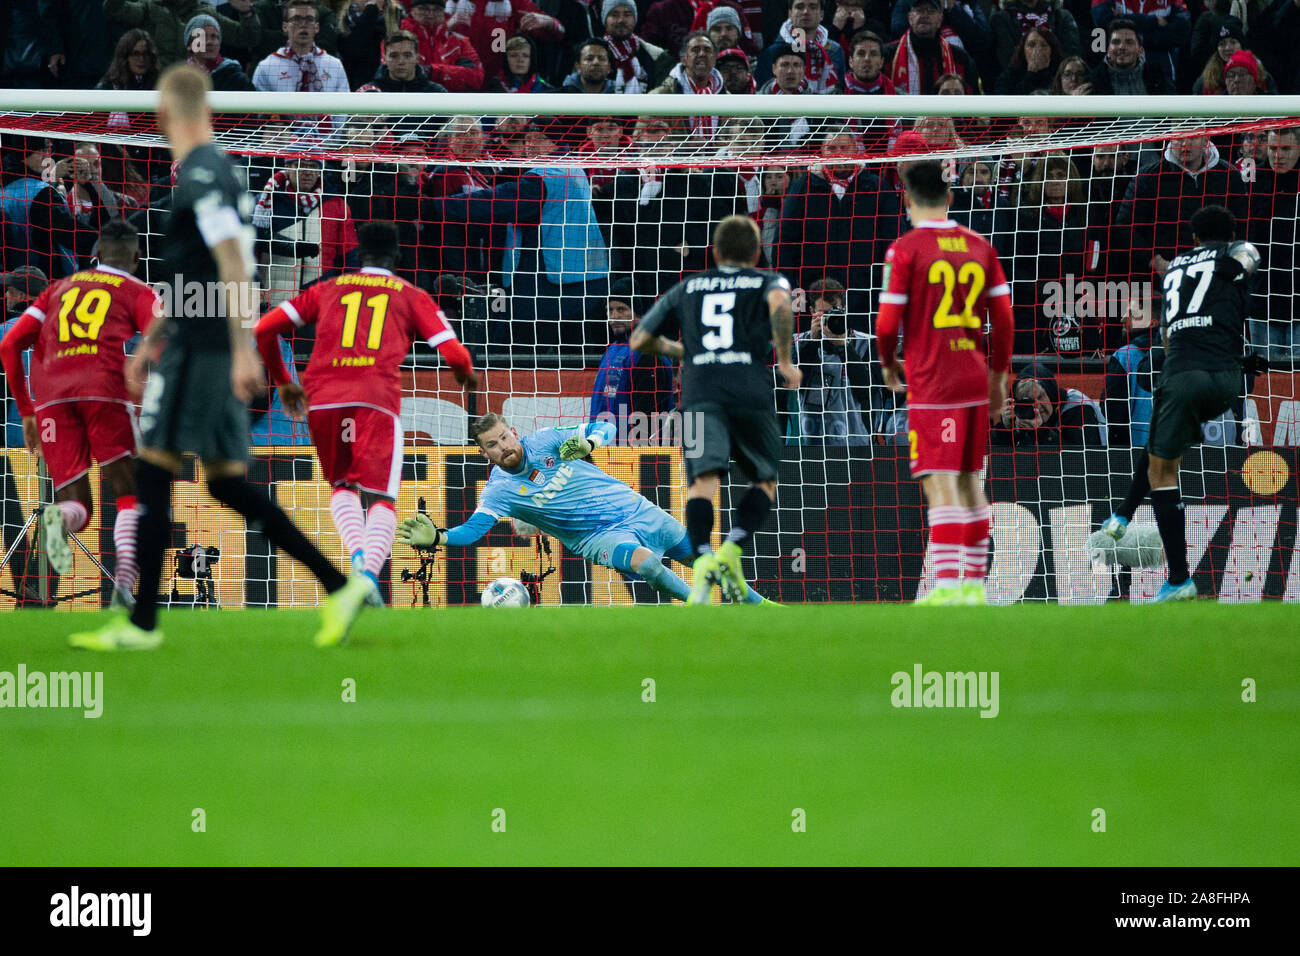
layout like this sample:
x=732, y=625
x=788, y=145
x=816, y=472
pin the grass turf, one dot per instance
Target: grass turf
x=1137, y=711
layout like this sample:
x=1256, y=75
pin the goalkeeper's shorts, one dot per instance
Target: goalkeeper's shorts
x=650, y=527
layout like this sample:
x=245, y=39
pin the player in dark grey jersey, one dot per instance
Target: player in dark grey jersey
x=196, y=400
x=1206, y=302
x=728, y=318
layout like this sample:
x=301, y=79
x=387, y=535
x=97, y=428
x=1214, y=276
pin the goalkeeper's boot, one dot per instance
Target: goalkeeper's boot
x=767, y=602
x=706, y=574
x=1176, y=592
x=55, y=539
x=122, y=602
x=119, y=634
x=942, y=597
x=972, y=594
x=1115, y=526
x=731, y=574
x=341, y=609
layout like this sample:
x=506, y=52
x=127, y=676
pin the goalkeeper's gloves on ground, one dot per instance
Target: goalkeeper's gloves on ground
x=579, y=446
x=420, y=532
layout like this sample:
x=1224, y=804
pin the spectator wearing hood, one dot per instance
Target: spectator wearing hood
x=1040, y=414
x=1164, y=26
x=203, y=41
x=824, y=61
x=519, y=69
x=629, y=382
x=1015, y=18
x=1126, y=71
x=165, y=21
x=401, y=72
x=1156, y=214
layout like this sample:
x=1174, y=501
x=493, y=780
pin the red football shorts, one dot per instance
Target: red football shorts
x=358, y=446
x=948, y=440
x=74, y=432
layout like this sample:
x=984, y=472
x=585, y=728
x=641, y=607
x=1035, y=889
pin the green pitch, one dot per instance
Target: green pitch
x=537, y=720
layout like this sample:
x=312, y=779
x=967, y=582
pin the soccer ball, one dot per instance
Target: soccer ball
x=505, y=592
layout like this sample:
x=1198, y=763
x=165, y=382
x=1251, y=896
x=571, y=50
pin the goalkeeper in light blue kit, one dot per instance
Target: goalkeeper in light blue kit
x=543, y=480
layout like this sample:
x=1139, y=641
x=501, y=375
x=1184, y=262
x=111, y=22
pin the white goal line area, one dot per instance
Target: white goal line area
x=392, y=127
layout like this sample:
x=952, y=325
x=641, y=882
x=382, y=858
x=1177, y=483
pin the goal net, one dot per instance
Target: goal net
x=545, y=236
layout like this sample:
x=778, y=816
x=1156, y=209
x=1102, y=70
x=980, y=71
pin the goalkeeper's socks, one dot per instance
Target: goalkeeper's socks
x=349, y=519
x=947, y=524
x=1172, y=521
x=1138, y=488
x=749, y=515
x=243, y=496
x=75, y=516
x=153, y=488
x=125, y=527
x=975, y=543
x=699, y=524
x=381, y=525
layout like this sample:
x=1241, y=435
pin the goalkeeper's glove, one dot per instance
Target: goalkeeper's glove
x=579, y=446
x=420, y=532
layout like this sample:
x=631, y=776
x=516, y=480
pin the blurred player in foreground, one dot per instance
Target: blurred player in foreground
x=953, y=390
x=351, y=394
x=544, y=480
x=1206, y=301
x=729, y=317
x=196, y=399
x=79, y=326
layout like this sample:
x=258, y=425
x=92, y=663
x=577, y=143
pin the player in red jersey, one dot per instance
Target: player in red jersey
x=941, y=279
x=78, y=408
x=351, y=392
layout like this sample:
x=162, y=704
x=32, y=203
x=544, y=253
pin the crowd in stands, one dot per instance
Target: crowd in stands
x=569, y=256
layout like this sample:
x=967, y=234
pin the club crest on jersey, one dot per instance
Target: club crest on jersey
x=550, y=461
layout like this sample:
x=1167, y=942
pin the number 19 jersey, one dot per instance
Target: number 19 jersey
x=941, y=280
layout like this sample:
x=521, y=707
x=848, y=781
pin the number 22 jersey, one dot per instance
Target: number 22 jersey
x=941, y=280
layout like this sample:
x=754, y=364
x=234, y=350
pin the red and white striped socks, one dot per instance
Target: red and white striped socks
x=349, y=519
x=975, y=543
x=947, y=524
x=75, y=516
x=381, y=523
x=128, y=517
x=959, y=543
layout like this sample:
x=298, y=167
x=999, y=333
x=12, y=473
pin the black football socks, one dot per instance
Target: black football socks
x=749, y=515
x=1137, y=489
x=699, y=524
x=153, y=536
x=1172, y=521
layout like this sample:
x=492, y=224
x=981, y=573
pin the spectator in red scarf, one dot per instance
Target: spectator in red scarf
x=1018, y=17
x=446, y=57
x=866, y=63
x=639, y=66
x=917, y=60
x=485, y=22
x=519, y=69
x=697, y=72
x=733, y=64
x=1033, y=65
x=824, y=64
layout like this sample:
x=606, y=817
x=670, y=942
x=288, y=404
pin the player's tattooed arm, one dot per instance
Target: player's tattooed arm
x=782, y=313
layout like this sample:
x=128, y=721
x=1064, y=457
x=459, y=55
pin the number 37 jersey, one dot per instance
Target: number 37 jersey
x=941, y=280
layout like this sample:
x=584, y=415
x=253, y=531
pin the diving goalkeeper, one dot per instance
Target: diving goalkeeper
x=543, y=480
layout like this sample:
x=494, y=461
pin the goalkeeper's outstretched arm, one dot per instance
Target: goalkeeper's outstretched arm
x=419, y=531
x=586, y=438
